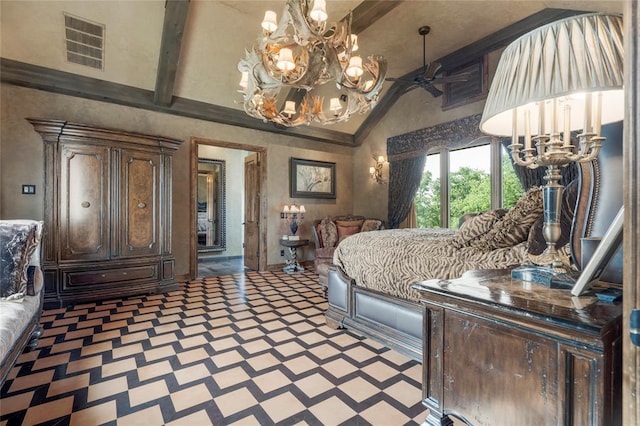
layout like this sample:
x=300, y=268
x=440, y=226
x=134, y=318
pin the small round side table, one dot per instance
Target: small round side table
x=291, y=249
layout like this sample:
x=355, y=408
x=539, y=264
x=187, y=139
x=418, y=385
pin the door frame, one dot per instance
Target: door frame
x=631, y=232
x=193, y=185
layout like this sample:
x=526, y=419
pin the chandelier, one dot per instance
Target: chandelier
x=282, y=75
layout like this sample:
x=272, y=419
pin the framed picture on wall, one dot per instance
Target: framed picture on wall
x=312, y=179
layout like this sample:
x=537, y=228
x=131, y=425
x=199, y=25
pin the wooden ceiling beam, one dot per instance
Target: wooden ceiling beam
x=368, y=12
x=33, y=76
x=492, y=42
x=175, y=20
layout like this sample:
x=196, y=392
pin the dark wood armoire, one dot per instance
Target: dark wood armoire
x=107, y=212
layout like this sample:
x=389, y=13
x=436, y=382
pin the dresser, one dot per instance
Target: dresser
x=107, y=212
x=498, y=351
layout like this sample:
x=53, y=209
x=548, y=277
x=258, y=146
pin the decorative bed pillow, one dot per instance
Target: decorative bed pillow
x=371, y=225
x=476, y=226
x=328, y=232
x=514, y=227
x=535, y=241
x=18, y=241
x=344, y=231
x=352, y=222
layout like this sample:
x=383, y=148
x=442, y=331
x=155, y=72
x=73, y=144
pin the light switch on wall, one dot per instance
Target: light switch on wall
x=29, y=189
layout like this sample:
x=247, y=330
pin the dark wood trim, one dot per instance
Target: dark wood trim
x=369, y=11
x=631, y=238
x=375, y=115
x=47, y=79
x=505, y=36
x=175, y=19
x=27, y=75
x=193, y=179
x=460, y=57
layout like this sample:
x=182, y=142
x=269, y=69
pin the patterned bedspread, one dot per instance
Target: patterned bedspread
x=390, y=261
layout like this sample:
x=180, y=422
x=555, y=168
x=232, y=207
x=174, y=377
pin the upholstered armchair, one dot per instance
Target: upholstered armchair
x=328, y=233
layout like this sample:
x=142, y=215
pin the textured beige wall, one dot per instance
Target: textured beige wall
x=278, y=159
x=21, y=160
x=415, y=110
x=21, y=157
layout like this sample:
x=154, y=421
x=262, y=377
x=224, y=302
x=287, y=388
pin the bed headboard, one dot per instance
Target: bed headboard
x=600, y=197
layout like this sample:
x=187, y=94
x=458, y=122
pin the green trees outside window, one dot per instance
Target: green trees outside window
x=469, y=191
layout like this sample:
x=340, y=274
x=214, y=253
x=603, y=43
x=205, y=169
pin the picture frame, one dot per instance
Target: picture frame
x=607, y=247
x=312, y=179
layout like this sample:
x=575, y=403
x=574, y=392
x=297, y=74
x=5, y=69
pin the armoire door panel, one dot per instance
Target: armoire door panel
x=139, y=216
x=84, y=203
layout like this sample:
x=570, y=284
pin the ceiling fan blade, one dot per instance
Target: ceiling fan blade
x=434, y=91
x=432, y=70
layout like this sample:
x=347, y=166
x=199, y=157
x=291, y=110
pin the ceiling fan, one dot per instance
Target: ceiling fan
x=428, y=76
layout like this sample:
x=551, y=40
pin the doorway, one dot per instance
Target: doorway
x=220, y=208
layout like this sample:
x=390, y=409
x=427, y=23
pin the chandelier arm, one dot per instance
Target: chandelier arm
x=315, y=56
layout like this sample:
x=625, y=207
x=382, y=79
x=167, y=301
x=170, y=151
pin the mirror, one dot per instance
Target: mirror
x=210, y=225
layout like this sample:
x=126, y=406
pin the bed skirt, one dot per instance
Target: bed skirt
x=395, y=322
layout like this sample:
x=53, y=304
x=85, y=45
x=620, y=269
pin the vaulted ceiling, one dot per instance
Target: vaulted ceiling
x=180, y=56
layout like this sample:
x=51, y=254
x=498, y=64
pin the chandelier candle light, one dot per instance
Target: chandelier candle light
x=295, y=56
x=293, y=217
x=559, y=78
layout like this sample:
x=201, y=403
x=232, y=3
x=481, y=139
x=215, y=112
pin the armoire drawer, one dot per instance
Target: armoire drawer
x=109, y=276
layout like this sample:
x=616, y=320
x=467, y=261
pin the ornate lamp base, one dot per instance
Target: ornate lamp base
x=545, y=276
x=548, y=269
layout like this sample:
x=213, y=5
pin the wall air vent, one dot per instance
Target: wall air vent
x=473, y=89
x=84, y=41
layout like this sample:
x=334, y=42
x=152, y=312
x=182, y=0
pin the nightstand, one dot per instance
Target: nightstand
x=502, y=351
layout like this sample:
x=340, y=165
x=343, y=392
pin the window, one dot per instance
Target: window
x=427, y=199
x=511, y=187
x=469, y=182
x=469, y=177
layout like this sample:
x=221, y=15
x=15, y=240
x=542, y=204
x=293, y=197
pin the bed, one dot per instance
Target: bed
x=369, y=283
x=372, y=274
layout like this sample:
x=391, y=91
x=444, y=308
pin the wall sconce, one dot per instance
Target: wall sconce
x=376, y=170
x=293, y=216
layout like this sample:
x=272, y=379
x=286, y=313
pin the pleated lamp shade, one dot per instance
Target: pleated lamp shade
x=563, y=60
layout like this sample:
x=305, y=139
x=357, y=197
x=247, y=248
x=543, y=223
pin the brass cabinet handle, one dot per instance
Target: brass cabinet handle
x=85, y=204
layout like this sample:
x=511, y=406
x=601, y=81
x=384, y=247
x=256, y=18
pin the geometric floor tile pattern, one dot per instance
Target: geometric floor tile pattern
x=243, y=349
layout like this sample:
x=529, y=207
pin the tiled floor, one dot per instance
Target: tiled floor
x=246, y=349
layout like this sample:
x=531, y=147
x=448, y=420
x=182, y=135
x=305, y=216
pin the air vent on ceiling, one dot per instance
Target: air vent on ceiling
x=85, y=42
